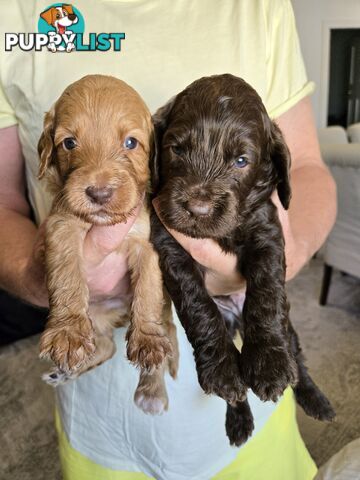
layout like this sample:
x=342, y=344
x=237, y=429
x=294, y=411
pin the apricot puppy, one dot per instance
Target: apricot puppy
x=94, y=151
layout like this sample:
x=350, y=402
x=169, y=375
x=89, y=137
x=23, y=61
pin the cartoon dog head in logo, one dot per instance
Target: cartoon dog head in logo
x=60, y=18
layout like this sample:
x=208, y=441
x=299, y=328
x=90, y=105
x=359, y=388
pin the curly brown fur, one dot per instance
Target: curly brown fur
x=97, y=180
x=205, y=191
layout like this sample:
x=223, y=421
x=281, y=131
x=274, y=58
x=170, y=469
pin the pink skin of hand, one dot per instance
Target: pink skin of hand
x=106, y=270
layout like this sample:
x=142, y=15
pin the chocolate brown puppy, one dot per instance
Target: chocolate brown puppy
x=94, y=152
x=219, y=160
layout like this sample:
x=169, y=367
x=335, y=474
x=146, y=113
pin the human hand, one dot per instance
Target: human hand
x=105, y=269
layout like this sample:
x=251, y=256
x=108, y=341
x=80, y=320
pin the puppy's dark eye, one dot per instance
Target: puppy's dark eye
x=69, y=143
x=241, y=162
x=177, y=149
x=130, y=143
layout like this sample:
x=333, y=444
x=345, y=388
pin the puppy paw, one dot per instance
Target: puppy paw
x=56, y=377
x=151, y=396
x=68, y=347
x=239, y=423
x=314, y=402
x=147, y=351
x=152, y=405
x=52, y=47
x=70, y=47
x=268, y=371
x=223, y=378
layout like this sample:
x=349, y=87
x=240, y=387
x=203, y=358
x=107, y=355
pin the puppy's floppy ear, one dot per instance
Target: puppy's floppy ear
x=280, y=157
x=160, y=120
x=72, y=15
x=47, y=15
x=46, y=147
x=68, y=8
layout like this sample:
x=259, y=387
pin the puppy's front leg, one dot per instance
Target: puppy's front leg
x=68, y=339
x=268, y=365
x=148, y=343
x=217, y=358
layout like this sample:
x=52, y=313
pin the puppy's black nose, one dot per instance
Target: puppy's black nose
x=72, y=16
x=198, y=207
x=99, y=195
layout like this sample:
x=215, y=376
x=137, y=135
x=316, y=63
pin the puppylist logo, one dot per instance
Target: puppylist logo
x=61, y=29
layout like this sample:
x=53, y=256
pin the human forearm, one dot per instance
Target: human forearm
x=311, y=215
x=17, y=232
x=19, y=273
x=313, y=205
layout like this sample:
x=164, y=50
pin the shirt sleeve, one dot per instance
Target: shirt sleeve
x=287, y=81
x=7, y=114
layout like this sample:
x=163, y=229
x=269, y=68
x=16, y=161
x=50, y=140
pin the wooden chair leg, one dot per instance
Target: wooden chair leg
x=325, y=284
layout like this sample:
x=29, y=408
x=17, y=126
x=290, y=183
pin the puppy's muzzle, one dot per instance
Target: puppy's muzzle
x=198, y=202
x=198, y=207
x=99, y=195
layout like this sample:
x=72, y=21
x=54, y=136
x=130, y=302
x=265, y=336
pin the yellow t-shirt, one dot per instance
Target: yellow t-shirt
x=168, y=44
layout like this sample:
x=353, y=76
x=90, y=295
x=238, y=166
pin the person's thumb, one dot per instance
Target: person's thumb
x=102, y=241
